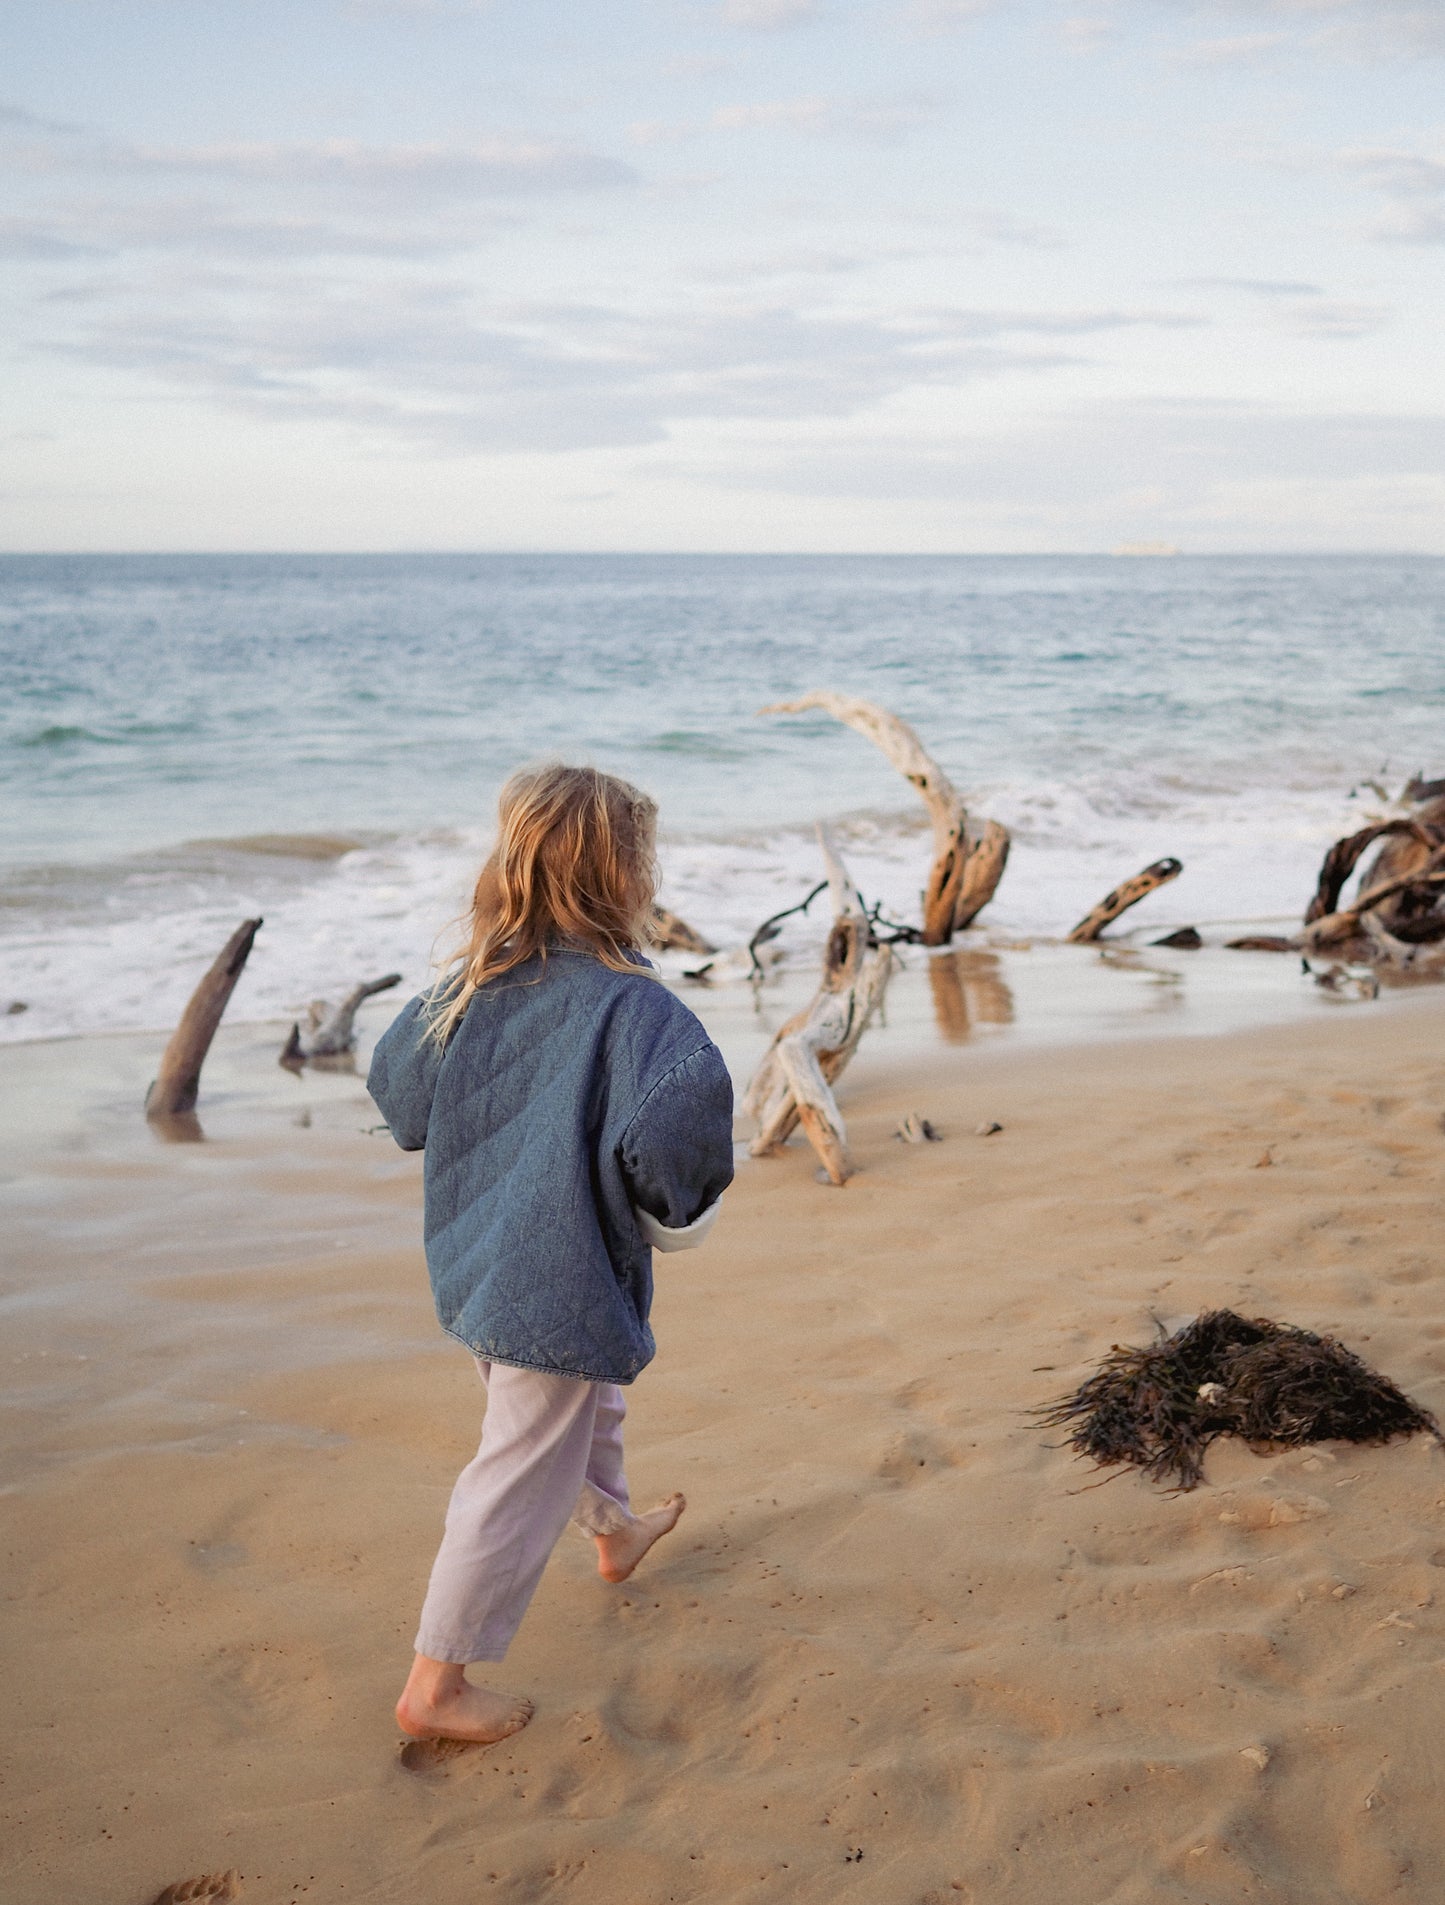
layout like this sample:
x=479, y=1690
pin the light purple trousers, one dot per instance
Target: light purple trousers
x=551, y=1453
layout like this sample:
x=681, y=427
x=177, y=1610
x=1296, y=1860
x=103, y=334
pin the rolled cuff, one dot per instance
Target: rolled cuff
x=688, y=1237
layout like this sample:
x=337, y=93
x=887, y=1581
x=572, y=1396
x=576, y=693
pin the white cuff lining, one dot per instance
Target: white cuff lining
x=688, y=1237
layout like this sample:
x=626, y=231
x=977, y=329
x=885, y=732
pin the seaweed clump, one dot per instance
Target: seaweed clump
x=1159, y=1408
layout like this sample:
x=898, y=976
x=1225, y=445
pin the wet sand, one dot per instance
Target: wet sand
x=899, y=1650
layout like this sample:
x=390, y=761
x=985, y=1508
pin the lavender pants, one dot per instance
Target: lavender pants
x=551, y=1453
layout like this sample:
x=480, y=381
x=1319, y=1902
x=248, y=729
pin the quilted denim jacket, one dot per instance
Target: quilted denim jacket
x=576, y=1115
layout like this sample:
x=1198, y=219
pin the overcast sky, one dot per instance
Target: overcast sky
x=723, y=274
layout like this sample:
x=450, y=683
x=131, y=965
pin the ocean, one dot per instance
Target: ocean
x=188, y=740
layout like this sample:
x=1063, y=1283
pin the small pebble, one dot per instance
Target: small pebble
x=916, y=1130
x=987, y=1130
x=15, y=1005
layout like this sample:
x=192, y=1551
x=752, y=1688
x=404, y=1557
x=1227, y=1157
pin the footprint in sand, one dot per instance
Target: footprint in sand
x=211, y=1888
x=429, y=1756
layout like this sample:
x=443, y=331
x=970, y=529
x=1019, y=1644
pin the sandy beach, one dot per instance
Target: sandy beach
x=900, y=1649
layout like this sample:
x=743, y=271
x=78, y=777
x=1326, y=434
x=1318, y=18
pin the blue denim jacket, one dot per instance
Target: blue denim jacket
x=571, y=1104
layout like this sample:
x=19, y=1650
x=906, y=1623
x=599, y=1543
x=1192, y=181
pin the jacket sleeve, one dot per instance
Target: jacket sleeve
x=677, y=1153
x=403, y=1075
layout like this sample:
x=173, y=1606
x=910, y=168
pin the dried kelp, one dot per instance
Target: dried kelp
x=1159, y=1408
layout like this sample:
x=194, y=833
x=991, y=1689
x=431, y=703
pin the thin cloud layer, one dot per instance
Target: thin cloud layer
x=930, y=268
x=434, y=366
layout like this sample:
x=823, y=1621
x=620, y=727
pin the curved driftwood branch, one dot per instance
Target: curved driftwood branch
x=177, y=1084
x=1160, y=873
x=967, y=867
x=1333, y=927
x=793, y=1085
x=1344, y=855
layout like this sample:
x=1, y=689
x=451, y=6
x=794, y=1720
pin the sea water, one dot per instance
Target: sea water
x=189, y=740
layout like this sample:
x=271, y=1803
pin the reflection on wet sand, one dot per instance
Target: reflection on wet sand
x=968, y=989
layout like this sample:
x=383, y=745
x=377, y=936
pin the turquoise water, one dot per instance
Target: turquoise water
x=159, y=713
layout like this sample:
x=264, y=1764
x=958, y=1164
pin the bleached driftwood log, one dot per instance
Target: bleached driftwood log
x=968, y=863
x=177, y=1085
x=793, y=1084
x=331, y=1029
x=1160, y=873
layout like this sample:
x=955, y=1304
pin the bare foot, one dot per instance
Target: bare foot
x=440, y=1703
x=619, y=1554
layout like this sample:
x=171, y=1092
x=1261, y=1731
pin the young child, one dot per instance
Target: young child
x=575, y=1116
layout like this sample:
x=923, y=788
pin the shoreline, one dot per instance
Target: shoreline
x=965, y=1003
x=896, y=1621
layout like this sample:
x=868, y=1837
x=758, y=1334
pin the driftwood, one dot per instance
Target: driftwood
x=793, y=1084
x=177, y=1085
x=967, y=864
x=671, y=934
x=1397, y=920
x=1122, y=898
x=331, y=1029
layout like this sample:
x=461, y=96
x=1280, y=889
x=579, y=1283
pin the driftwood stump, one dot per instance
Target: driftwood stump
x=967, y=863
x=177, y=1085
x=1160, y=873
x=331, y=1029
x=793, y=1084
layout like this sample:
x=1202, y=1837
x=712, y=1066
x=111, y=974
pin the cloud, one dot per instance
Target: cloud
x=1356, y=29
x=945, y=16
x=1412, y=185
x=489, y=167
x=1246, y=49
x=204, y=229
x=492, y=167
x=1258, y=287
x=1328, y=317
x=878, y=120
x=444, y=370
x=1221, y=475
x=1086, y=32
x=768, y=15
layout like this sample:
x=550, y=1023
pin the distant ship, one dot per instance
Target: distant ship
x=1145, y=549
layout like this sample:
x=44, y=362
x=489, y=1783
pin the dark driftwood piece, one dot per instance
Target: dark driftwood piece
x=669, y=933
x=793, y=1084
x=1185, y=939
x=331, y=1029
x=1262, y=942
x=1160, y=873
x=177, y=1084
x=967, y=863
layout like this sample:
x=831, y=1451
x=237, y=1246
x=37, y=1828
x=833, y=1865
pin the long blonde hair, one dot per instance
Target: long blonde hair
x=574, y=867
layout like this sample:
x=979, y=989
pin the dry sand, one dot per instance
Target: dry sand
x=898, y=1651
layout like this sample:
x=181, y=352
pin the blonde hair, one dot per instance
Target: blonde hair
x=574, y=867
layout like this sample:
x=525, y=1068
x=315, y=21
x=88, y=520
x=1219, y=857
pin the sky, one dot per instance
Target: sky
x=723, y=275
